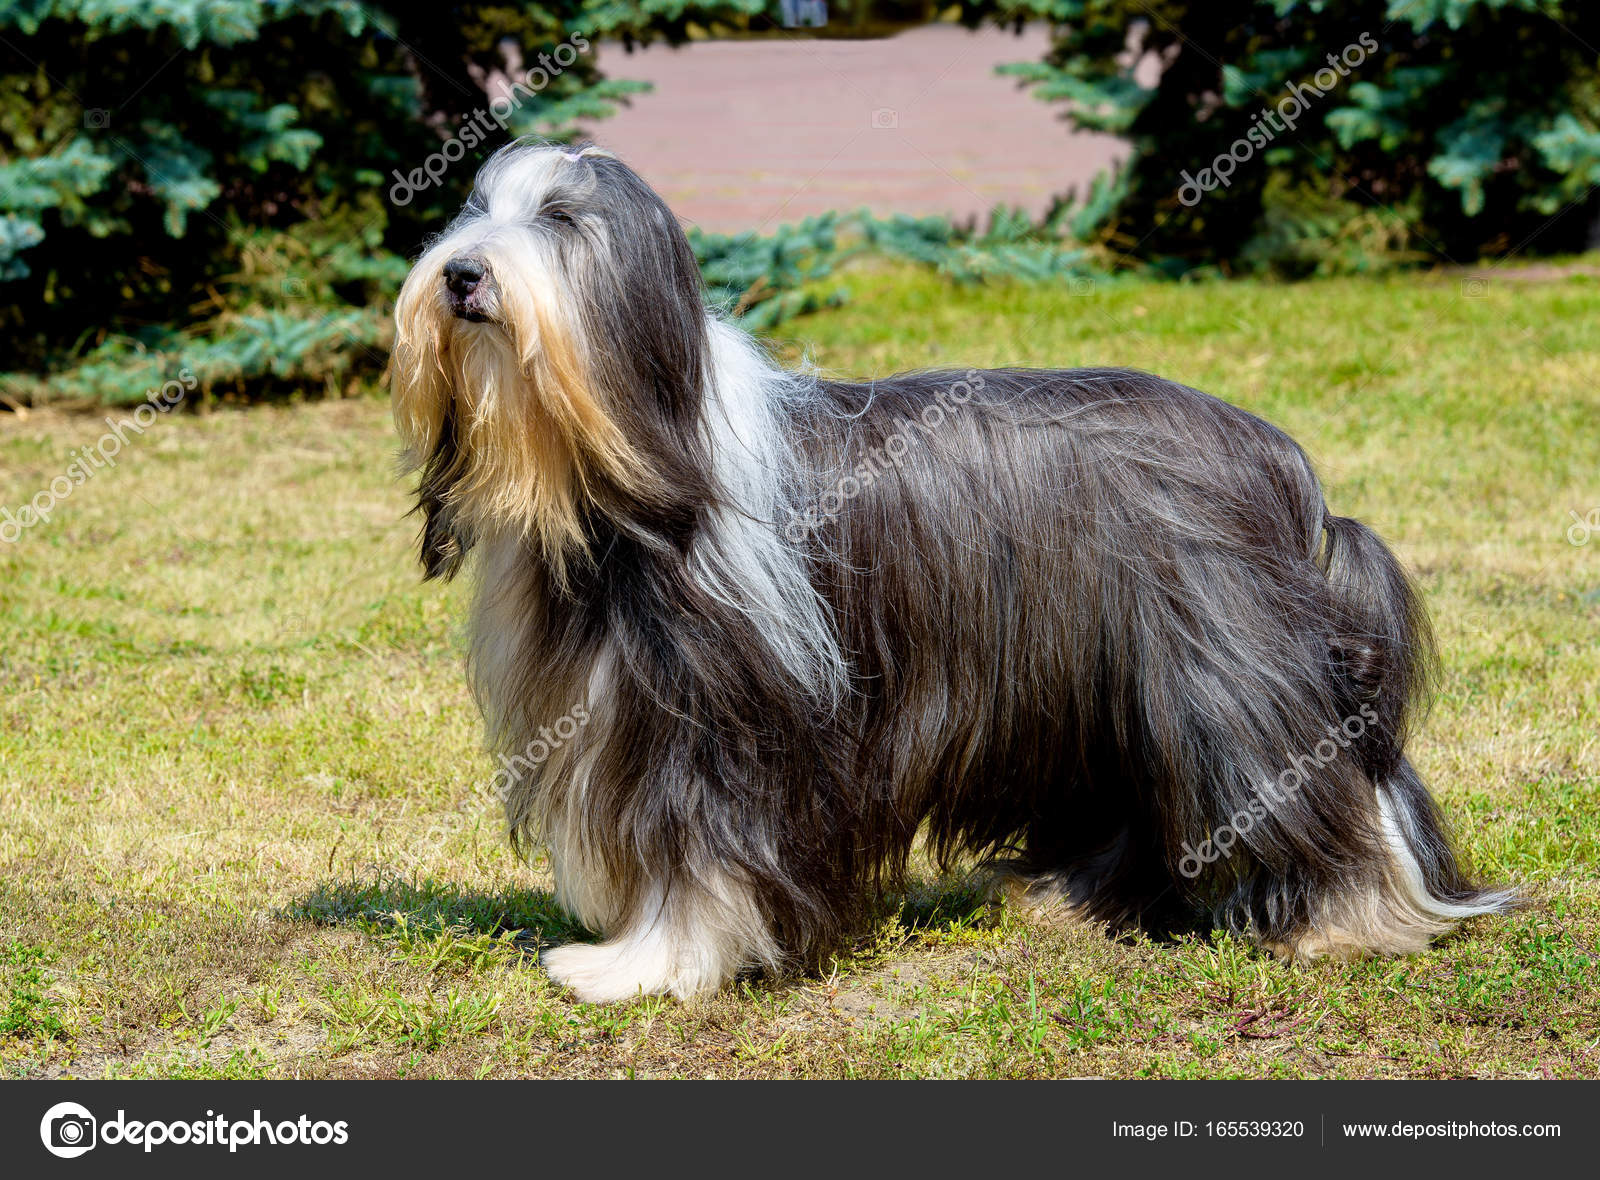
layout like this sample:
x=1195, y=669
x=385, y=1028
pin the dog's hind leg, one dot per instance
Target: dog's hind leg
x=685, y=939
x=1116, y=885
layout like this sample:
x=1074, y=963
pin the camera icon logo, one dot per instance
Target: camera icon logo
x=68, y=1130
x=96, y=119
x=885, y=119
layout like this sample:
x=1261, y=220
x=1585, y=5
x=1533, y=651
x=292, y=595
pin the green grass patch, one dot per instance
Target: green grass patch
x=242, y=775
x=30, y=1011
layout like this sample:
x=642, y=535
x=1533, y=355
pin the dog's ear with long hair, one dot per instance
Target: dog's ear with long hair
x=425, y=413
x=446, y=534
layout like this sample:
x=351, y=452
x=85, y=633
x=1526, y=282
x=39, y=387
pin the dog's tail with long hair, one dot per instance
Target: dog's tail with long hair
x=1385, y=646
x=1385, y=655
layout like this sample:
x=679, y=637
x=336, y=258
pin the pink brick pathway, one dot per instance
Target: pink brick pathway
x=751, y=134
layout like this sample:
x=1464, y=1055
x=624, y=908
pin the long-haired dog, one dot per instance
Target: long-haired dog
x=1089, y=625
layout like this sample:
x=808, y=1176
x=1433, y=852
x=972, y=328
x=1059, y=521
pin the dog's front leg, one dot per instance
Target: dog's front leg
x=686, y=939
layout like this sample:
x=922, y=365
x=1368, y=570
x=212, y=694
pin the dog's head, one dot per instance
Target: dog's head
x=550, y=348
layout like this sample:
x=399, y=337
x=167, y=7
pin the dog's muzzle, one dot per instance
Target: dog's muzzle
x=468, y=288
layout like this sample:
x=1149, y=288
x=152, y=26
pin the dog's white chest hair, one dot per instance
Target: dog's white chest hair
x=548, y=770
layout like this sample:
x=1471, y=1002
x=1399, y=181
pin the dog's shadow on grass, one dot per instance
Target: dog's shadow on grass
x=530, y=919
x=931, y=901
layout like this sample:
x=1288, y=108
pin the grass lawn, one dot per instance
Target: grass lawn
x=241, y=821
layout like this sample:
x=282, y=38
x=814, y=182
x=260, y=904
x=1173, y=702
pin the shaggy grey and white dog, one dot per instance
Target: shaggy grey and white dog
x=1089, y=625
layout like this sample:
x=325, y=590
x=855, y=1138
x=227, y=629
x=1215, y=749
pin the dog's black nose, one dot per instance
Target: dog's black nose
x=462, y=275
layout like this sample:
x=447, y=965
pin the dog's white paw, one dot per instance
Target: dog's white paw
x=607, y=973
x=688, y=950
